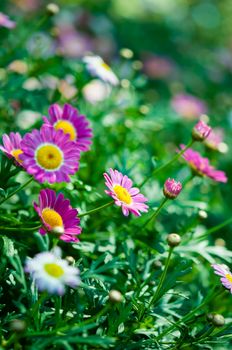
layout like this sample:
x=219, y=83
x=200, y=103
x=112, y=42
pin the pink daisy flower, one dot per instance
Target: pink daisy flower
x=188, y=106
x=72, y=123
x=201, y=131
x=57, y=216
x=172, y=188
x=6, y=22
x=49, y=155
x=201, y=165
x=224, y=272
x=215, y=139
x=12, y=146
x=124, y=195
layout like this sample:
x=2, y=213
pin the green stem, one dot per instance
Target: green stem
x=36, y=307
x=214, y=229
x=162, y=278
x=164, y=166
x=188, y=316
x=17, y=190
x=17, y=229
x=96, y=209
x=155, y=214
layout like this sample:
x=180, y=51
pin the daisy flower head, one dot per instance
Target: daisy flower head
x=201, y=165
x=201, y=131
x=226, y=275
x=98, y=68
x=188, y=106
x=57, y=216
x=49, y=155
x=12, y=146
x=6, y=22
x=172, y=188
x=72, y=123
x=215, y=140
x=51, y=273
x=124, y=195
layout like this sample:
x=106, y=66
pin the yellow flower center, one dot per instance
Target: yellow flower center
x=122, y=194
x=105, y=66
x=54, y=270
x=15, y=153
x=49, y=157
x=67, y=128
x=229, y=277
x=52, y=218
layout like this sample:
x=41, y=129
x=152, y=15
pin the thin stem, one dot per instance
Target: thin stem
x=189, y=315
x=96, y=209
x=17, y=190
x=155, y=214
x=16, y=229
x=164, y=166
x=214, y=229
x=162, y=278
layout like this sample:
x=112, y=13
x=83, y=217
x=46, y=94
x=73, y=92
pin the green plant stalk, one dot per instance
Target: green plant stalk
x=164, y=166
x=189, y=315
x=214, y=229
x=162, y=278
x=36, y=307
x=16, y=191
x=16, y=229
x=93, y=211
x=155, y=214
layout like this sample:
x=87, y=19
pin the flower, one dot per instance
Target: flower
x=98, y=68
x=188, y=106
x=49, y=155
x=72, y=123
x=57, y=216
x=201, y=131
x=201, y=166
x=215, y=139
x=158, y=67
x=51, y=273
x=224, y=272
x=172, y=188
x=96, y=91
x=6, y=22
x=124, y=195
x=12, y=146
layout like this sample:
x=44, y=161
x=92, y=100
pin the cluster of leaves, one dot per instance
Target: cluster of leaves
x=116, y=252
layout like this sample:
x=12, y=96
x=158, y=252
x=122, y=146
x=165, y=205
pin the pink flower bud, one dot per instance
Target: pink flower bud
x=201, y=131
x=172, y=188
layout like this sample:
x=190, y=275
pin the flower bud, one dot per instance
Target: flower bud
x=70, y=260
x=202, y=214
x=18, y=326
x=218, y=320
x=58, y=230
x=200, y=131
x=115, y=296
x=172, y=188
x=52, y=9
x=173, y=239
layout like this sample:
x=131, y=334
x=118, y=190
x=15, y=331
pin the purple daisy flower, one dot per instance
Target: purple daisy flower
x=12, y=146
x=6, y=22
x=124, y=195
x=201, y=165
x=71, y=122
x=188, y=106
x=49, y=155
x=224, y=272
x=57, y=216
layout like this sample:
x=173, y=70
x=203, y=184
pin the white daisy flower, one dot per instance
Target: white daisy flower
x=51, y=273
x=98, y=68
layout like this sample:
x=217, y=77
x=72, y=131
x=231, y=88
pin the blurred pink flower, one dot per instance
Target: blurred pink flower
x=157, y=67
x=6, y=22
x=201, y=165
x=188, y=106
x=214, y=139
x=172, y=188
x=201, y=131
